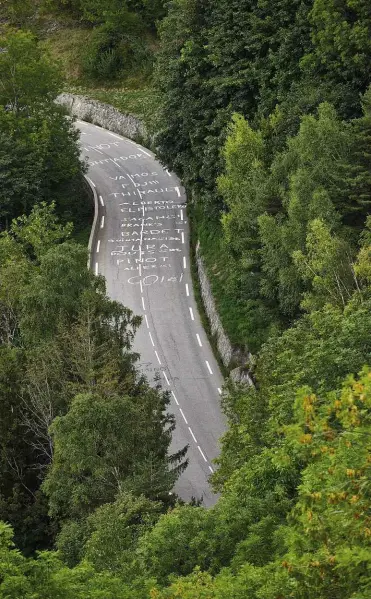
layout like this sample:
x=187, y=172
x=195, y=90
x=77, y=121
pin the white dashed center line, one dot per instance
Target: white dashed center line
x=191, y=312
x=101, y=200
x=184, y=262
x=191, y=431
x=102, y=223
x=146, y=319
x=150, y=336
x=199, y=340
x=96, y=268
x=202, y=453
x=219, y=391
x=158, y=358
x=209, y=367
x=166, y=379
x=143, y=304
x=98, y=246
x=187, y=289
x=182, y=413
x=211, y=470
x=176, y=401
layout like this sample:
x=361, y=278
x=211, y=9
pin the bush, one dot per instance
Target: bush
x=115, y=48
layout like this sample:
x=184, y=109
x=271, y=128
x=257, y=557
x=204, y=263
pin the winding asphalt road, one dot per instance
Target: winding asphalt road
x=142, y=249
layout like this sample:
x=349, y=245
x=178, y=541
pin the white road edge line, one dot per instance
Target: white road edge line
x=102, y=222
x=144, y=152
x=151, y=338
x=158, y=358
x=93, y=184
x=209, y=367
x=187, y=289
x=176, y=401
x=199, y=339
x=101, y=200
x=98, y=246
x=114, y=135
x=191, y=431
x=191, y=312
x=182, y=413
x=202, y=453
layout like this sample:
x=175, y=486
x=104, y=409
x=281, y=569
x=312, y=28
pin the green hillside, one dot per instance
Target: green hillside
x=264, y=110
x=105, y=52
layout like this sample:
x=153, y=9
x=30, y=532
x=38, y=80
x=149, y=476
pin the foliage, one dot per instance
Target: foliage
x=119, y=42
x=264, y=111
x=79, y=343
x=39, y=157
x=28, y=76
x=114, y=47
x=102, y=447
x=280, y=156
x=47, y=576
x=341, y=36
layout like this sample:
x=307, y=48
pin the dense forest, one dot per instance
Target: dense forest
x=264, y=110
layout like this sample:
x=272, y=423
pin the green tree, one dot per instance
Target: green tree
x=356, y=176
x=328, y=266
x=332, y=434
x=28, y=77
x=103, y=447
x=47, y=577
x=341, y=36
x=115, y=531
x=80, y=342
x=307, y=177
x=39, y=156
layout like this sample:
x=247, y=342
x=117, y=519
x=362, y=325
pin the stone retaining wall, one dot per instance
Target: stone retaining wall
x=105, y=116
x=229, y=354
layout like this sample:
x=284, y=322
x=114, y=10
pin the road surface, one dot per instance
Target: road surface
x=142, y=249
